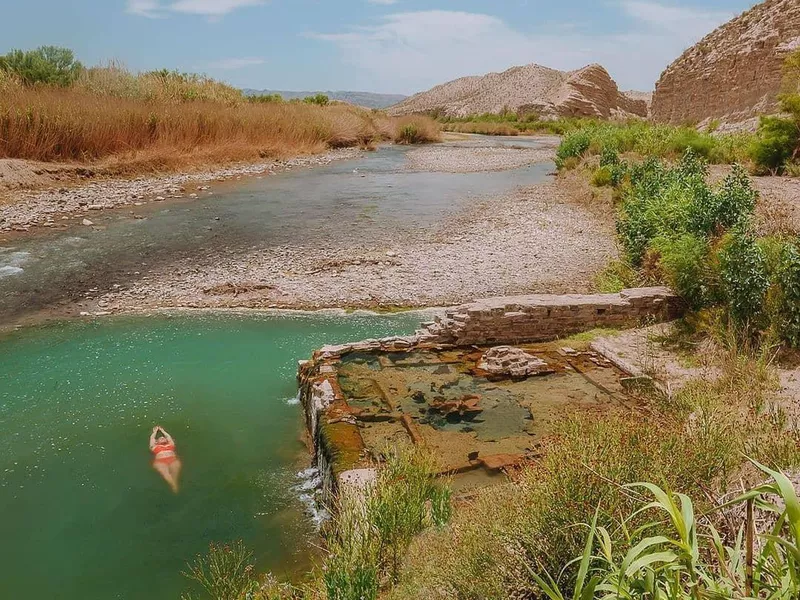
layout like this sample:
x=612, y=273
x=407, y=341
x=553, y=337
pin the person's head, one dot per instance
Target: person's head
x=161, y=440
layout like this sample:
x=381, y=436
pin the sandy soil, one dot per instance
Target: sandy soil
x=641, y=351
x=537, y=239
x=474, y=160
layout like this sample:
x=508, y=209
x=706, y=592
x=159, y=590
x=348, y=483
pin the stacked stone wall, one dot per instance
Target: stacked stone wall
x=538, y=318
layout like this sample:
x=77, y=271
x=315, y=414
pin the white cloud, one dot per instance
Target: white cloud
x=679, y=20
x=412, y=51
x=208, y=8
x=213, y=8
x=144, y=8
x=384, y=2
x=230, y=64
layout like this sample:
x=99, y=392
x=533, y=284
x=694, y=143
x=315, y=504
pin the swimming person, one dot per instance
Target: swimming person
x=165, y=460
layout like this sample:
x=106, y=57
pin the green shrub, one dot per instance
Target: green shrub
x=745, y=280
x=574, y=145
x=49, y=65
x=686, y=266
x=265, y=98
x=318, y=99
x=788, y=278
x=777, y=141
x=602, y=177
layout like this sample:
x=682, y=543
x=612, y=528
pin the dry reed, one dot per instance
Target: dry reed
x=166, y=120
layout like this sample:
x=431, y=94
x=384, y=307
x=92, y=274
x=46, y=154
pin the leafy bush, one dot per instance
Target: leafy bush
x=788, y=279
x=686, y=266
x=318, y=99
x=777, y=141
x=745, y=280
x=264, y=98
x=574, y=145
x=49, y=65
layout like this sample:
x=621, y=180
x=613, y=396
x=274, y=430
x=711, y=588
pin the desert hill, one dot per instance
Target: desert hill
x=548, y=92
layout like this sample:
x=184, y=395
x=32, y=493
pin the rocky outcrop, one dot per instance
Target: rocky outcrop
x=735, y=72
x=587, y=92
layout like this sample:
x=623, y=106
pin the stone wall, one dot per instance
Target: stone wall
x=538, y=318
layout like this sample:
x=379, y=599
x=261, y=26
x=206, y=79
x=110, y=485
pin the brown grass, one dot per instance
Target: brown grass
x=415, y=129
x=155, y=122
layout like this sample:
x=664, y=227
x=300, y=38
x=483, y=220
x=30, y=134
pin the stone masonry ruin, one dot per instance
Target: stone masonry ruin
x=481, y=386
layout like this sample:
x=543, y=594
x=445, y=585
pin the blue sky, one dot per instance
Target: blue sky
x=398, y=46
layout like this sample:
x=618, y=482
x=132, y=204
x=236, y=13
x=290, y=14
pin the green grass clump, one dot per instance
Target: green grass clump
x=371, y=531
x=593, y=138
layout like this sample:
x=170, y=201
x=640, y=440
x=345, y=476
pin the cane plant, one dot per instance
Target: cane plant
x=668, y=559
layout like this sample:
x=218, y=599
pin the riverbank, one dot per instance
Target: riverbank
x=539, y=239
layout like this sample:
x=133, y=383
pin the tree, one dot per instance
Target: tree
x=49, y=65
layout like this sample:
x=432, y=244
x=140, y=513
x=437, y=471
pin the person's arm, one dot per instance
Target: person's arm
x=168, y=436
x=153, y=438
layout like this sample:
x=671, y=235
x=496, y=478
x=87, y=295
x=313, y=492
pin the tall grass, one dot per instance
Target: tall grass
x=373, y=528
x=652, y=140
x=415, y=129
x=163, y=120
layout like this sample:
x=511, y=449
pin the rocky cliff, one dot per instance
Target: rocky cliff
x=735, y=72
x=587, y=92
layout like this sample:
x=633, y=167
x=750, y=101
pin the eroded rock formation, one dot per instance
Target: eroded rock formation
x=735, y=72
x=587, y=92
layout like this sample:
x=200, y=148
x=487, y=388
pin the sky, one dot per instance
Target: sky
x=387, y=46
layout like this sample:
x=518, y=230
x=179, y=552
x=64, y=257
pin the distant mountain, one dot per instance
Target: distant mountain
x=531, y=88
x=366, y=99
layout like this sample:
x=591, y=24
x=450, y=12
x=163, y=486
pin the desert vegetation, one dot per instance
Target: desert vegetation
x=52, y=108
x=509, y=123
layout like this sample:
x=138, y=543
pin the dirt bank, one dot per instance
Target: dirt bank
x=476, y=159
x=536, y=239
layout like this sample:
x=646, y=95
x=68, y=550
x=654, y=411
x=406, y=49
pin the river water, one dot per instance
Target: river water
x=370, y=197
x=82, y=513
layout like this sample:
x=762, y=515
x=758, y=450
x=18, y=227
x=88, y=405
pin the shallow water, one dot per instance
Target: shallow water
x=370, y=198
x=83, y=515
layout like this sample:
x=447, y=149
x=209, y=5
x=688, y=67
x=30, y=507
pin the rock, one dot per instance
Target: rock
x=735, y=72
x=514, y=362
x=159, y=198
x=87, y=222
x=95, y=207
x=391, y=254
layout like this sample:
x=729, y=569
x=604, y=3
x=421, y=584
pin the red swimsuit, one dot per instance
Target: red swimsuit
x=164, y=453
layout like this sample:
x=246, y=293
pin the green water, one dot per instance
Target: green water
x=83, y=514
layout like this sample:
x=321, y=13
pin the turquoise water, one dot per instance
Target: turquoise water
x=82, y=513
